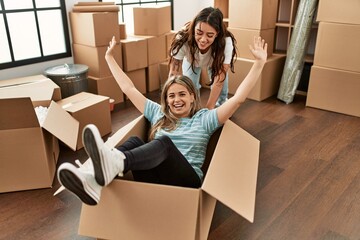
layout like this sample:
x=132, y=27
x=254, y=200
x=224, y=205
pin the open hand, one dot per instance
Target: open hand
x=259, y=49
x=111, y=46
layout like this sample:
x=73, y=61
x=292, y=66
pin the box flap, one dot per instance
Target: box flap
x=17, y=113
x=40, y=95
x=142, y=211
x=206, y=212
x=80, y=101
x=232, y=174
x=62, y=125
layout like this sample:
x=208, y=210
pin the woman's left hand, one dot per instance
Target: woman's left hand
x=259, y=49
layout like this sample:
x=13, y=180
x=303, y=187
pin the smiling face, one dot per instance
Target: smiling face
x=204, y=36
x=179, y=100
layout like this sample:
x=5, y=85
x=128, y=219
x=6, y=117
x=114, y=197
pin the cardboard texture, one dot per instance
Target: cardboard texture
x=152, y=21
x=122, y=29
x=336, y=48
x=134, y=53
x=268, y=82
x=177, y=212
x=328, y=11
x=334, y=90
x=94, y=58
x=138, y=77
x=156, y=48
x=163, y=72
x=255, y=14
x=106, y=86
x=153, y=78
x=94, y=29
x=245, y=37
x=88, y=108
x=169, y=38
x=96, y=8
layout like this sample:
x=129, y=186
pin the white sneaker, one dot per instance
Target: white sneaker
x=108, y=162
x=81, y=182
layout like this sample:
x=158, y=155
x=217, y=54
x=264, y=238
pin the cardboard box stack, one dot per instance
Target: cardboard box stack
x=334, y=83
x=249, y=18
x=93, y=24
x=153, y=24
x=177, y=212
x=33, y=119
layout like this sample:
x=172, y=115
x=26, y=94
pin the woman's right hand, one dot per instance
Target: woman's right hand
x=112, y=44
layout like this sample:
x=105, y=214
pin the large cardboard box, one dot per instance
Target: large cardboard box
x=334, y=90
x=336, y=48
x=94, y=58
x=134, y=53
x=329, y=11
x=138, y=77
x=245, y=37
x=88, y=108
x=164, y=69
x=28, y=149
x=254, y=14
x=156, y=48
x=94, y=28
x=153, y=20
x=268, y=82
x=153, y=78
x=177, y=212
x=106, y=86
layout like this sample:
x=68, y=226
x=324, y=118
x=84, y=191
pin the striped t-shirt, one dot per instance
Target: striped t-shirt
x=191, y=135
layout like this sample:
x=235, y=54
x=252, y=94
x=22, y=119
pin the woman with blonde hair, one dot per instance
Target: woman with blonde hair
x=180, y=131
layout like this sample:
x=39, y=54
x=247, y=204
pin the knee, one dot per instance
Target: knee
x=136, y=140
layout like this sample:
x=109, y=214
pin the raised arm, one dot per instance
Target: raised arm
x=217, y=87
x=227, y=109
x=125, y=83
x=175, y=67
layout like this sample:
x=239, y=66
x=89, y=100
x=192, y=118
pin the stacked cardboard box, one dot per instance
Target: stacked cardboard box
x=37, y=135
x=334, y=83
x=92, y=27
x=153, y=24
x=249, y=18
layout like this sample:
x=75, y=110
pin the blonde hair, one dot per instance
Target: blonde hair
x=169, y=121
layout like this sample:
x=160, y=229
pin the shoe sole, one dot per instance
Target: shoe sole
x=91, y=142
x=75, y=184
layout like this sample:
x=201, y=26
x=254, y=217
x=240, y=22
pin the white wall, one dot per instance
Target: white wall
x=184, y=11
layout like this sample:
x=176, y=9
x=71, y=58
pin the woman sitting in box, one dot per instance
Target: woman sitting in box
x=180, y=131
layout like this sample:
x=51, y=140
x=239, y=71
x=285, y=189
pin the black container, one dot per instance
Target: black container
x=71, y=78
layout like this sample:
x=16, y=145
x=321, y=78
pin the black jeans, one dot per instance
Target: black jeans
x=158, y=161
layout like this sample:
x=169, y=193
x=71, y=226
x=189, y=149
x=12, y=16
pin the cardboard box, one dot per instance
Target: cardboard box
x=329, y=11
x=245, y=37
x=34, y=166
x=134, y=53
x=138, y=77
x=334, y=90
x=153, y=20
x=106, y=86
x=336, y=48
x=164, y=69
x=153, y=78
x=122, y=29
x=177, y=212
x=156, y=48
x=88, y=108
x=169, y=38
x=255, y=14
x=94, y=28
x=94, y=58
x=268, y=82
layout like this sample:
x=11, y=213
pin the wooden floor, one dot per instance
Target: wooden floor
x=308, y=180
